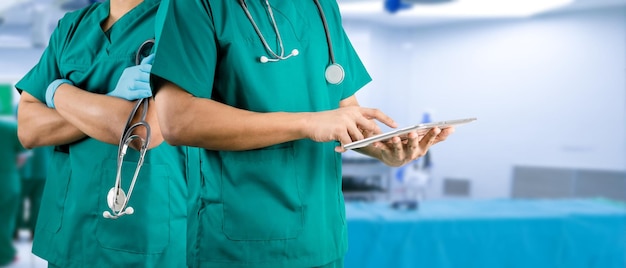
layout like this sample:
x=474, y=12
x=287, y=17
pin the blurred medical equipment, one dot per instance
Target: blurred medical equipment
x=117, y=199
x=334, y=72
x=364, y=178
x=413, y=179
x=40, y=29
x=393, y=6
x=6, y=99
x=8, y=5
x=69, y=5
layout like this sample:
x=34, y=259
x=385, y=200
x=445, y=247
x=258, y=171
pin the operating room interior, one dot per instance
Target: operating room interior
x=537, y=180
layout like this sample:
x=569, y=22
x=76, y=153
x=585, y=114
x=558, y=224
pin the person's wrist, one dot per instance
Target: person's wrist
x=51, y=90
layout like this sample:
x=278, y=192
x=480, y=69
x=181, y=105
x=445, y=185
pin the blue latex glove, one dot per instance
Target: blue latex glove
x=134, y=83
x=52, y=89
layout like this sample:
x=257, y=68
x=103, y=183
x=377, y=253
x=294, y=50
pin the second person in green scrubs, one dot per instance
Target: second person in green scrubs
x=90, y=61
x=33, y=177
x=272, y=133
x=11, y=153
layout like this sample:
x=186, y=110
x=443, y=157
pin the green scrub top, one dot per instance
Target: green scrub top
x=279, y=206
x=71, y=231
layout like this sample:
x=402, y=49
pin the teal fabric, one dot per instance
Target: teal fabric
x=575, y=233
x=279, y=206
x=334, y=264
x=71, y=231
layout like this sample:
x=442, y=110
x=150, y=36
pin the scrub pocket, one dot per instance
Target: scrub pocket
x=55, y=193
x=147, y=230
x=260, y=194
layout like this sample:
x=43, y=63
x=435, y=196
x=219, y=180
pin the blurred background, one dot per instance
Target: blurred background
x=539, y=180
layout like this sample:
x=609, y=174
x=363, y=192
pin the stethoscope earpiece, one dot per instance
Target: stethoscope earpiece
x=129, y=210
x=106, y=214
x=265, y=59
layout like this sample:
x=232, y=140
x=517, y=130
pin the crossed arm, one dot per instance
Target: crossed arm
x=78, y=114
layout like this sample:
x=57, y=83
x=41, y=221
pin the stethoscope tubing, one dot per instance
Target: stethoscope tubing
x=258, y=31
x=126, y=138
x=280, y=41
x=326, y=31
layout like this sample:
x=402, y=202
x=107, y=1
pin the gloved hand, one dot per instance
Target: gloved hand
x=52, y=89
x=134, y=83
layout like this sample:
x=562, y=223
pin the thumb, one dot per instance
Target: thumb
x=148, y=60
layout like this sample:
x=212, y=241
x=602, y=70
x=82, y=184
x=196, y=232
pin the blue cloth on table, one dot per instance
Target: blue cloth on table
x=488, y=233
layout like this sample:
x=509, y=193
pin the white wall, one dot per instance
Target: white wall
x=547, y=91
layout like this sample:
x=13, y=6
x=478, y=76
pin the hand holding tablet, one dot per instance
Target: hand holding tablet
x=420, y=128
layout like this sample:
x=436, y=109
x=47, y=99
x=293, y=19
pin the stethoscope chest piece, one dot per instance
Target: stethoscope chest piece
x=334, y=74
x=117, y=201
x=116, y=198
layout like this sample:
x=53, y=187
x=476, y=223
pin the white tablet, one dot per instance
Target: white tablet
x=420, y=128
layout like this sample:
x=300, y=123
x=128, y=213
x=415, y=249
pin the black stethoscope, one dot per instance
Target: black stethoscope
x=334, y=72
x=117, y=200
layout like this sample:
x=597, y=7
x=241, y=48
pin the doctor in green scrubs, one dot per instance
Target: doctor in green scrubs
x=272, y=129
x=77, y=98
x=10, y=153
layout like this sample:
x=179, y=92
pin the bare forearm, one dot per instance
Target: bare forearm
x=99, y=116
x=205, y=123
x=39, y=125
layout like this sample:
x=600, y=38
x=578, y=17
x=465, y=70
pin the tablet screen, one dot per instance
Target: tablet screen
x=420, y=128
